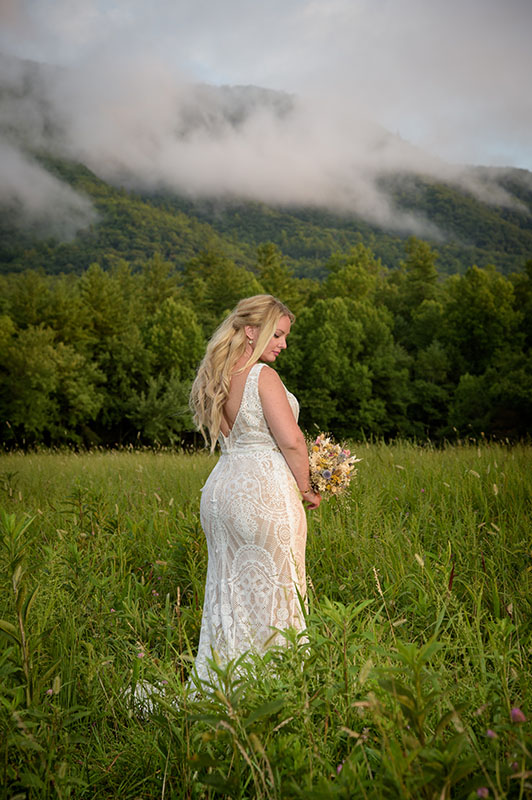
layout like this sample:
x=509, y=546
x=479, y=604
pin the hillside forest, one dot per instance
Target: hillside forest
x=105, y=357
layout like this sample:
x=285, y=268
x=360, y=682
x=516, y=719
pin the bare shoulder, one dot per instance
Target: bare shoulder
x=269, y=380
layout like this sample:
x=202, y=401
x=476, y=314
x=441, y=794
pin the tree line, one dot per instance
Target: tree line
x=107, y=357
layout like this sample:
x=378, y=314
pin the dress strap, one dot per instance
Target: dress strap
x=253, y=377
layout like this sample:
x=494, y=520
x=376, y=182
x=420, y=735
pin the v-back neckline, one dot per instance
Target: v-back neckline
x=256, y=364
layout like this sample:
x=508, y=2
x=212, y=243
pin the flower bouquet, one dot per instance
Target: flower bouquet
x=331, y=466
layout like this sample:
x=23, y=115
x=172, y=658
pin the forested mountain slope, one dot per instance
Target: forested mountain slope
x=76, y=189
x=134, y=226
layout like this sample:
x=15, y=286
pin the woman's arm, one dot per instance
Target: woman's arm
x=286, y=432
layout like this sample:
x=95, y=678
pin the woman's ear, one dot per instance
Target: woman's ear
x=250, y=331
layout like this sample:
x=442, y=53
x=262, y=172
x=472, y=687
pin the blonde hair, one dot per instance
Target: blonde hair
x=228, y=343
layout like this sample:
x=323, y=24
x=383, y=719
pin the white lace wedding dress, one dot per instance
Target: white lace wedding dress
x=256, y=531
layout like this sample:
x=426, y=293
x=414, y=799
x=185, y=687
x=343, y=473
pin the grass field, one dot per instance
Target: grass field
x=414, y=679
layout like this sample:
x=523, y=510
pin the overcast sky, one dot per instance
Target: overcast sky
x=449, y=79
x=452, y=76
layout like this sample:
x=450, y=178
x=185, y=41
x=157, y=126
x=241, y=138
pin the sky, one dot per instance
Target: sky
x=449, y=79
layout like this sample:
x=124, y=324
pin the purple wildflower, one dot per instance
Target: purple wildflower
x=491, y=734
x=49, y=691
x=140, y=655
x=483, y=791
x=516, y=715
x=326, y=474
x=339, y=767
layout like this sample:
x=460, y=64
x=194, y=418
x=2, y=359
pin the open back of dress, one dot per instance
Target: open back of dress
x=255, y=526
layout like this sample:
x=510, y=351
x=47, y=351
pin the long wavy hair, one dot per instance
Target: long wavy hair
x=226, y=346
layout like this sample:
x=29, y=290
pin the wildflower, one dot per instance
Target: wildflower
x=491, y=734
x=339, y=767
x=326, y=474
x=49, y=691
x=516, y=715
x=423, y=490
x=483, y=791
x=140, y=655
x=514, y=766
x=113, y=610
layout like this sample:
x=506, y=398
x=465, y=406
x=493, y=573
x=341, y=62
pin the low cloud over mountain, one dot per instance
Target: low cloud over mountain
x=134, y=124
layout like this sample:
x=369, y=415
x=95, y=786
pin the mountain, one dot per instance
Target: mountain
x=133, y=226
x=227, y=169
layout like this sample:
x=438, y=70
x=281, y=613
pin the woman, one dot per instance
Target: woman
x=251, y=509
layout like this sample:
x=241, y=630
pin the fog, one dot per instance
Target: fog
x=137, y=110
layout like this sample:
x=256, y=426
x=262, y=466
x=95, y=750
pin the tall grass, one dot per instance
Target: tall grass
x=413, y=680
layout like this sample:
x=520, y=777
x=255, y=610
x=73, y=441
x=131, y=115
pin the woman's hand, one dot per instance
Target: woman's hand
x=311, y=499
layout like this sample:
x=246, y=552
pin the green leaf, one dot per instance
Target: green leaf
x=29, y=602
x=9, y=630
x=266, y=710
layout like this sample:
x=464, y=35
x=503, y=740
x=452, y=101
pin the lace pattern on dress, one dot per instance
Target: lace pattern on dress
x=255, y=526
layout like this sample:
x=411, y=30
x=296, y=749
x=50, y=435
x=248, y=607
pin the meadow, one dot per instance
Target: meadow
x=414, y=678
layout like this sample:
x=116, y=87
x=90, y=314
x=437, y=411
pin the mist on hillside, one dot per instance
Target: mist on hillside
x=133, y=124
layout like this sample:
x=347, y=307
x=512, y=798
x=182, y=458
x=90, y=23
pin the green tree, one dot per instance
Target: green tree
x=413, y=285
x=174, y=339
x=49, y=391
x=354, y=274
x=276, y=277
x=346, y=370
x=160, y=411
x=115, y=342
x=158, y=282
x=28, y=298
x=480, y=319
x=213, y=284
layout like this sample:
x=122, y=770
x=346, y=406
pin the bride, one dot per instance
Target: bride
x=251, y=506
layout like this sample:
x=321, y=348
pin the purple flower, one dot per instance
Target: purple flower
x=140, y=655
x=326, y=474
x=339, y=767
x=516, y=715
x=113, y=610
x=49, y=691
x=483, y=791
x=491, y=734
x=423, y=490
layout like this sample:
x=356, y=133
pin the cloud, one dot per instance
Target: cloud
x=38, y=198
x=452, y=76
x=360, y=78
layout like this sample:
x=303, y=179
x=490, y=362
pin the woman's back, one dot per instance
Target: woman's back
x=234, y=399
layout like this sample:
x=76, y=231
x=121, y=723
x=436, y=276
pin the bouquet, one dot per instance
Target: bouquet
x=331, y=466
